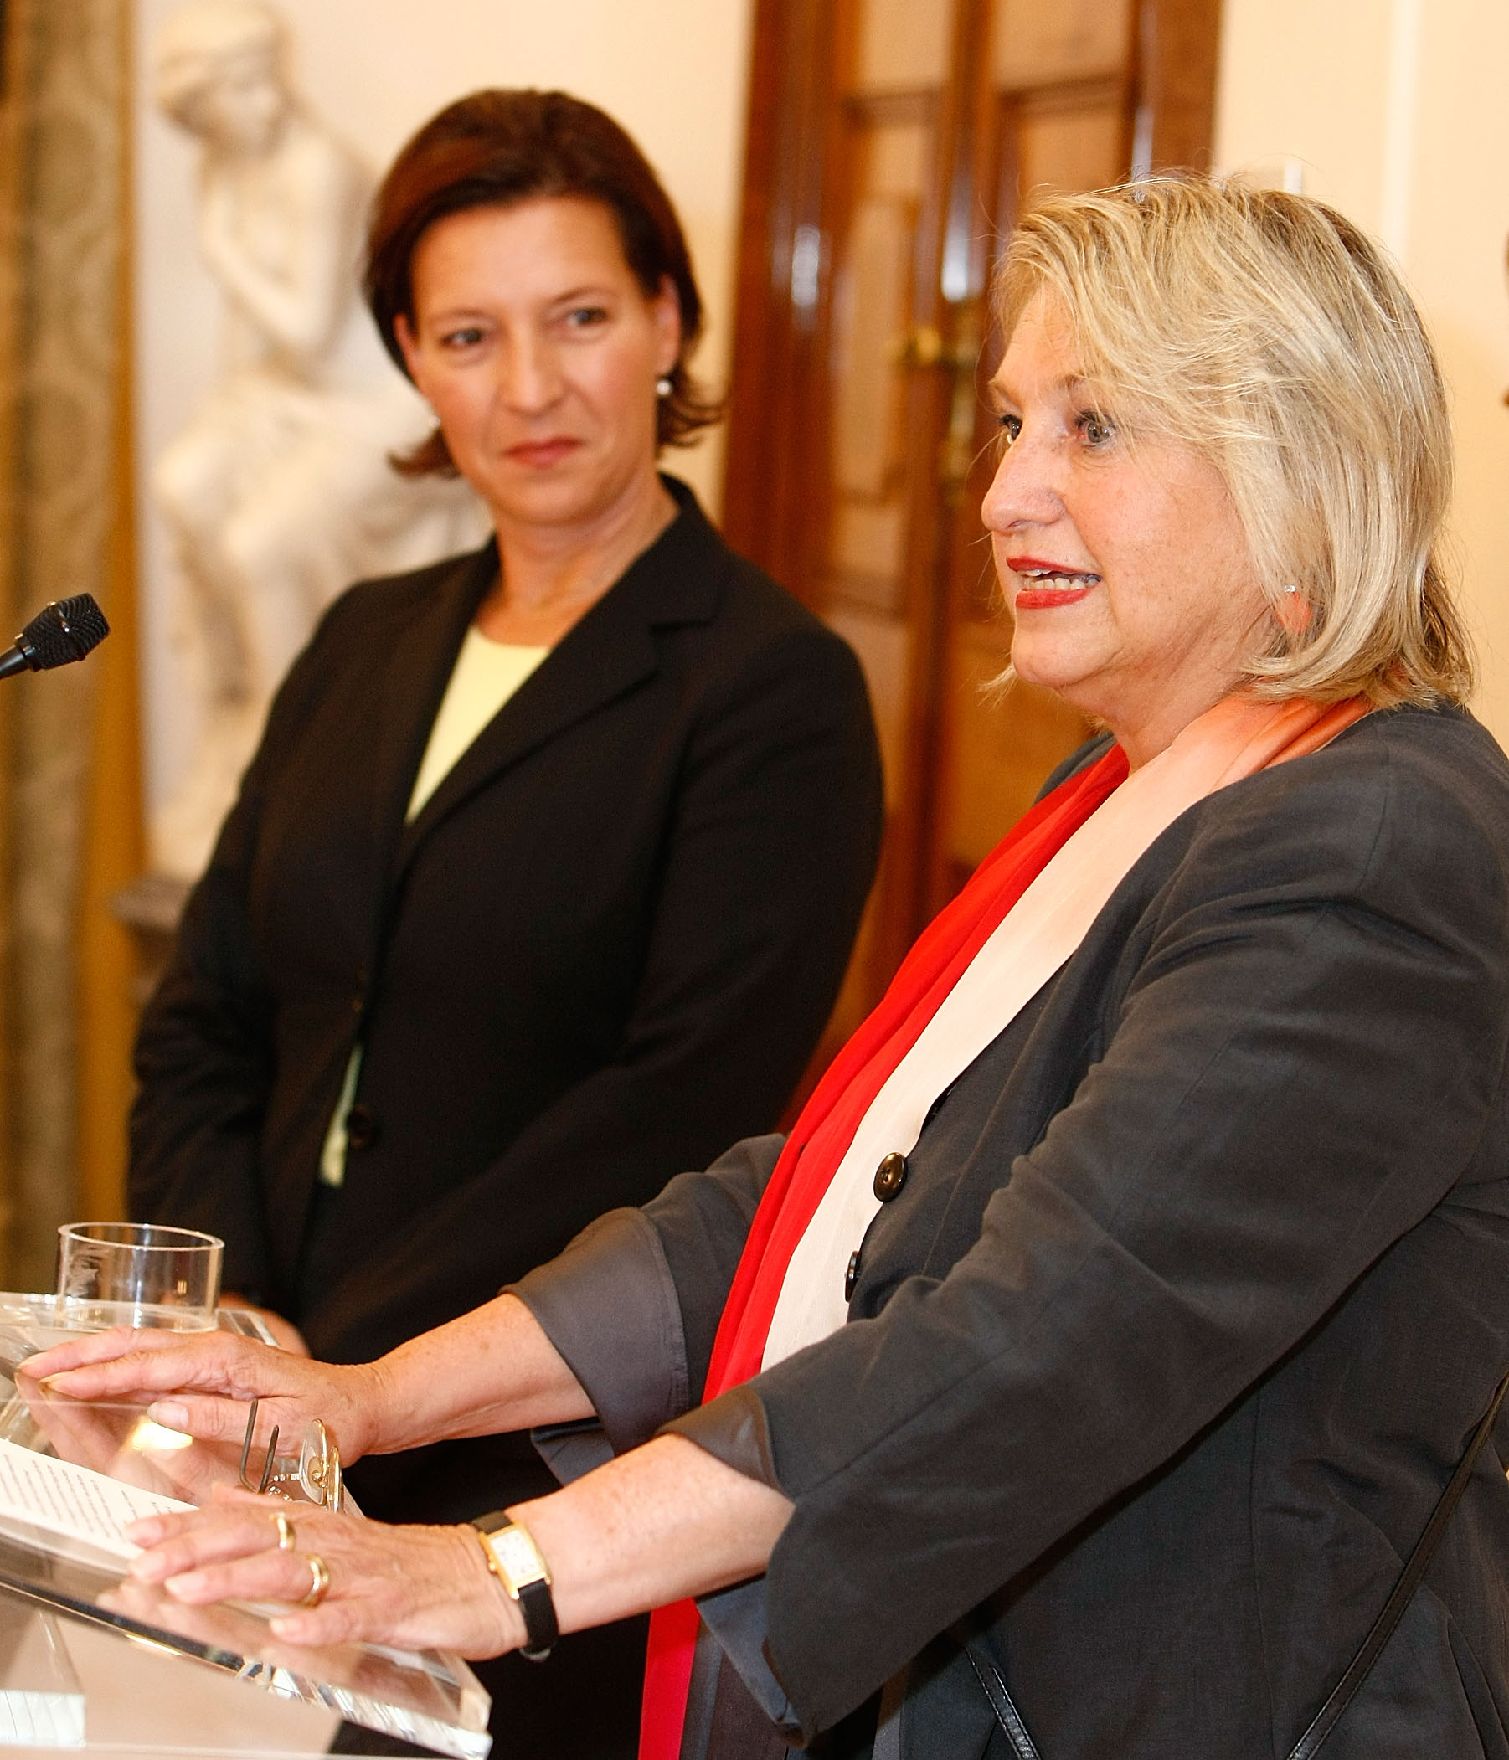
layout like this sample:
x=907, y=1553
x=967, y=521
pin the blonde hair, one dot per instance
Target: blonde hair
x=1266, y=332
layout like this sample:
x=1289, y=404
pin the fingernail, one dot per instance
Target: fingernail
x=148, y=1565
x=168, y=1412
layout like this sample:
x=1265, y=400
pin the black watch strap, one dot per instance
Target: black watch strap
x=515, y=1560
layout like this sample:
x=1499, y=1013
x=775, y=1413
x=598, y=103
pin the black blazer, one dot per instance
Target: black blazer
x=607, y=944
x=1195, y=1289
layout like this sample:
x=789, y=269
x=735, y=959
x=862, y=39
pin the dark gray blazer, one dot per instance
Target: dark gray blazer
x=1196, y=1288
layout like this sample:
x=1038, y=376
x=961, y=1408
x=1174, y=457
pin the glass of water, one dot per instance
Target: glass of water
x=136, y=1274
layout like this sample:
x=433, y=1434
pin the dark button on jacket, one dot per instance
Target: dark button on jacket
x=362, y=1129
x=851, y=1274
x=890, y=1176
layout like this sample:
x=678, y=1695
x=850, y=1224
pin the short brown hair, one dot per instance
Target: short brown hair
x=1269, y=334
x=496, y=147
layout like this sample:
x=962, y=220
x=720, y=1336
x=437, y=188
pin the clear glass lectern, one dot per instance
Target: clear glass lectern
x=94, y=1662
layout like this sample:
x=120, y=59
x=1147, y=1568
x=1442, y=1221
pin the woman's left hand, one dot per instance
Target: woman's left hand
x=410, y=1587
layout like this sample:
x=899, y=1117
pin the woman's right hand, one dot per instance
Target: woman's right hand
x=205, y=1382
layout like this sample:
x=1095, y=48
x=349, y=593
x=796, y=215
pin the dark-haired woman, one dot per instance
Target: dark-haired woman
x=541, y=884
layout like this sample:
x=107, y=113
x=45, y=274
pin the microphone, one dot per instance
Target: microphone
x=65, y=630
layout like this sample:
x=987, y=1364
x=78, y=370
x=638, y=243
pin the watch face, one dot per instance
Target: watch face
x=518, y=1557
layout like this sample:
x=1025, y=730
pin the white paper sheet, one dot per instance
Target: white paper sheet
x=75, y=1503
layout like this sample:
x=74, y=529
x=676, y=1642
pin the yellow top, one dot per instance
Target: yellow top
x=485, y=676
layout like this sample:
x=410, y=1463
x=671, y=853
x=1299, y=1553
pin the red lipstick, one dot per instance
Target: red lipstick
x=541, y=454
x=1046, y=585
x=1048, y=598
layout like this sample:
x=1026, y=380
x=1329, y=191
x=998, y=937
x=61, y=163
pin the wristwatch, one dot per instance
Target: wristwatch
x=515, y=1560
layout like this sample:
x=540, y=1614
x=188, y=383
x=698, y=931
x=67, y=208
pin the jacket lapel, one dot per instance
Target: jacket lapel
x=408, y=680
x=610, y=651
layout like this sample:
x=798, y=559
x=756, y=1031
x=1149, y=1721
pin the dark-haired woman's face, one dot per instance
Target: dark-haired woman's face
x=539, y=351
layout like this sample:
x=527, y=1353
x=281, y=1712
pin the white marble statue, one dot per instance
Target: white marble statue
x=278, y=492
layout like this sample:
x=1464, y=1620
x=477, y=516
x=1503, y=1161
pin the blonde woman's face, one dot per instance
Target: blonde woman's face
x=1125, y=569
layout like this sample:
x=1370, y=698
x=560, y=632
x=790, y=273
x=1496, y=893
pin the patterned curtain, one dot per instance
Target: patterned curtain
x=69, y=791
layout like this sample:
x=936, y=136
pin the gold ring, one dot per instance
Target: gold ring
x=285, y=1531
x=319, y=1580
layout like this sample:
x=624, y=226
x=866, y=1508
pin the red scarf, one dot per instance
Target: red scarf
x=1247, y=737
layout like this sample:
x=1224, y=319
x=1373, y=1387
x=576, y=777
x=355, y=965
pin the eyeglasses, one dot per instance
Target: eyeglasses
x=313, y=1473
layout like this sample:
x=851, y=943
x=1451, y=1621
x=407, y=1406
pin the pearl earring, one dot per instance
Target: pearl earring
x=1291, y=588
x=663, y=386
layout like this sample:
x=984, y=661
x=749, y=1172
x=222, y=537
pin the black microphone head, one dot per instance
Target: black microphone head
x=63, y=631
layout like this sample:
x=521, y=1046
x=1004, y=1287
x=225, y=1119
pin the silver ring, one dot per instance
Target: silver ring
x=319, y=1580
x=285, y=1531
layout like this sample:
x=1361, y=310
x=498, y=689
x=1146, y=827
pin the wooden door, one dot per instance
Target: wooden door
x=892, y=143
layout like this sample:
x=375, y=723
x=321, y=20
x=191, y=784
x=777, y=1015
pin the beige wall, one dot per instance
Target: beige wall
x=1395, y=111
x=673, y=71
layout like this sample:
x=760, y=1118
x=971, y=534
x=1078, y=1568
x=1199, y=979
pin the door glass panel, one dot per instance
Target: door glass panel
x=872, y=316
x=1069, y=149
x=1039, y=44
x=903, y=44
x=889, y=146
